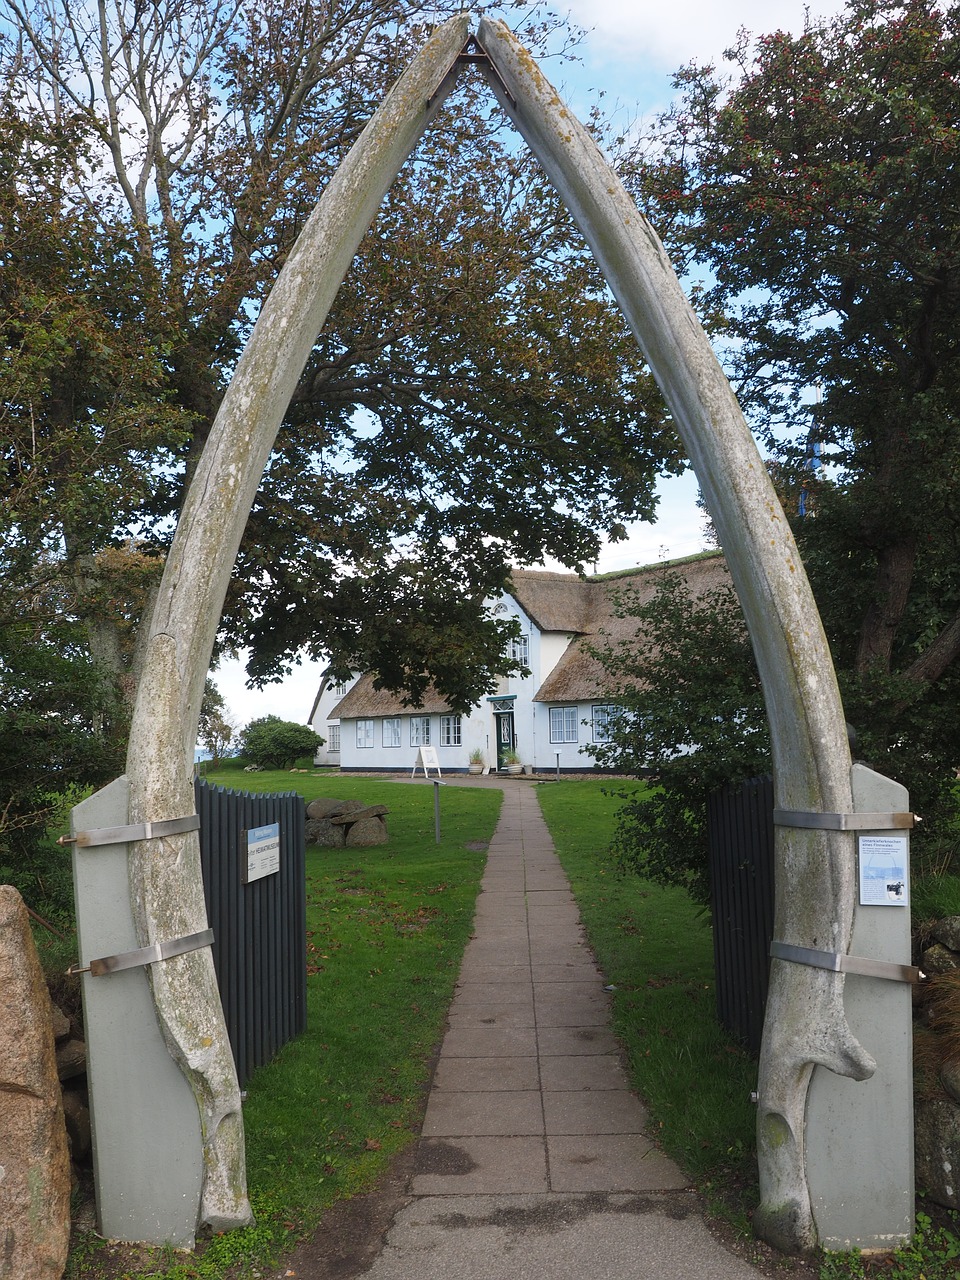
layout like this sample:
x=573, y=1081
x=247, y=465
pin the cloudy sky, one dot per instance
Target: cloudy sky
x=632, y=49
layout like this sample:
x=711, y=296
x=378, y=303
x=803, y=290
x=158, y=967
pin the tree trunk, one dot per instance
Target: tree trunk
x=878, y=631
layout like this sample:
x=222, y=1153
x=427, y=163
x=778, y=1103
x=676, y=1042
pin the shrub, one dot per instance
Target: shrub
x=273, y=743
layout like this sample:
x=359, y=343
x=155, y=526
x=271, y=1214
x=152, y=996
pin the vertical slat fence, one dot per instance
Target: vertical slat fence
x=260, y=929
x=740, y=835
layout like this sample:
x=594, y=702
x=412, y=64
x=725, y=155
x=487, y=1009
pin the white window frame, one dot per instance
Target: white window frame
x=365, y=734
x=391, y=735
x=520, y=649
x=451, y=731
x=601, y=715
x=564, y=722
x=333, y=737
x=419, y=731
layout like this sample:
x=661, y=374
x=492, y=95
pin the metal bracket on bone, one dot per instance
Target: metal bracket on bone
x=837, y=963
x=474, y=55
x=844, y=821
x=139, y=831
x=145, y=955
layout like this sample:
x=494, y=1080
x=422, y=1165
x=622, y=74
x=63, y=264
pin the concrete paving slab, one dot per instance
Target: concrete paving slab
x=589, y=1071
x=573, y=989
x=513, y=1113
x=505, y=952
x=575, y=970
x=594, y=1111
x=478, y=993
x=573, y=1041
x=612, y=1162
x=489, y=1042
x=477, y=1166
x=490, y=1015
x=572, y=1013
x=475, y=971
x=493, y=1074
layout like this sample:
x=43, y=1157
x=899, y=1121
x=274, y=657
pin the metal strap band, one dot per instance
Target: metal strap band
x=846, y=964
x=140, y=831
x=145, y=955
x=843, y=821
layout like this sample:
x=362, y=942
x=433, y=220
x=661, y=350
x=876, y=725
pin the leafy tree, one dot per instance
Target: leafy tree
x=693, y=712
x=217, y=728
x=474, y=399
x=272, y=743
x=819, y=185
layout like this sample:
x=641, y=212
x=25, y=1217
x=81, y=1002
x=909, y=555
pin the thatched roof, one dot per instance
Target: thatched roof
x=363, y=702
x=582, y=608
x=578, y=676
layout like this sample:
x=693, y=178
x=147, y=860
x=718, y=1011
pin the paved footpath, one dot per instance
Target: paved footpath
x=533, y=1162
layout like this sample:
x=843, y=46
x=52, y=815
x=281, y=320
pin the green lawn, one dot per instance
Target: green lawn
x=655, y=946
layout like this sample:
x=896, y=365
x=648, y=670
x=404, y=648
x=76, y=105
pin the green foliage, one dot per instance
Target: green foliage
x=60, y=729
x=272, y=743
x=817, y=187
x=472, y=374
x=933, y=1254
x=694, y=718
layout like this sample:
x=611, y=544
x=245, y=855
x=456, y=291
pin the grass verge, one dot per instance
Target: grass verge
x=655, y=946
x=386, y=931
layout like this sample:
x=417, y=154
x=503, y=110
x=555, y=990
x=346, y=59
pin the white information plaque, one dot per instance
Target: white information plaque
x=263, y=852
x=883, y=871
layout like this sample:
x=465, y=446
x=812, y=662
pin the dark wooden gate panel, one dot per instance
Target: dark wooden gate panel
x=740, y=834
x=260, y=930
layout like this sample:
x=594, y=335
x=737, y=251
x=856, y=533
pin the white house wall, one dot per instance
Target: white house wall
x=330, y=695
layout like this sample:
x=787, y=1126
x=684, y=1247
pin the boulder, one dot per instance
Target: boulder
x=947, y=932
x=76, y=1113
x=937, y=1150
x=71, y=1059
x=35, y=1178
x=367, y=831
x=323, y=808
x=359, y=815
x=321, y=831
x=60, y=1021
x=939, y=959
x=950, y=1079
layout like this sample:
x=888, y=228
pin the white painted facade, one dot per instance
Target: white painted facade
x=386, y=737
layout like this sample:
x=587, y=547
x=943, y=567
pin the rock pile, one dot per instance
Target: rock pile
x=350, y=824
x=937, y=1104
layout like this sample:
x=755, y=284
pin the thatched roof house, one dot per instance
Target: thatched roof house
x=550, y=717
x=589, y=614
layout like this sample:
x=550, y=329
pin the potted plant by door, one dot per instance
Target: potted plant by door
x=477, y=762
x=511, y=762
